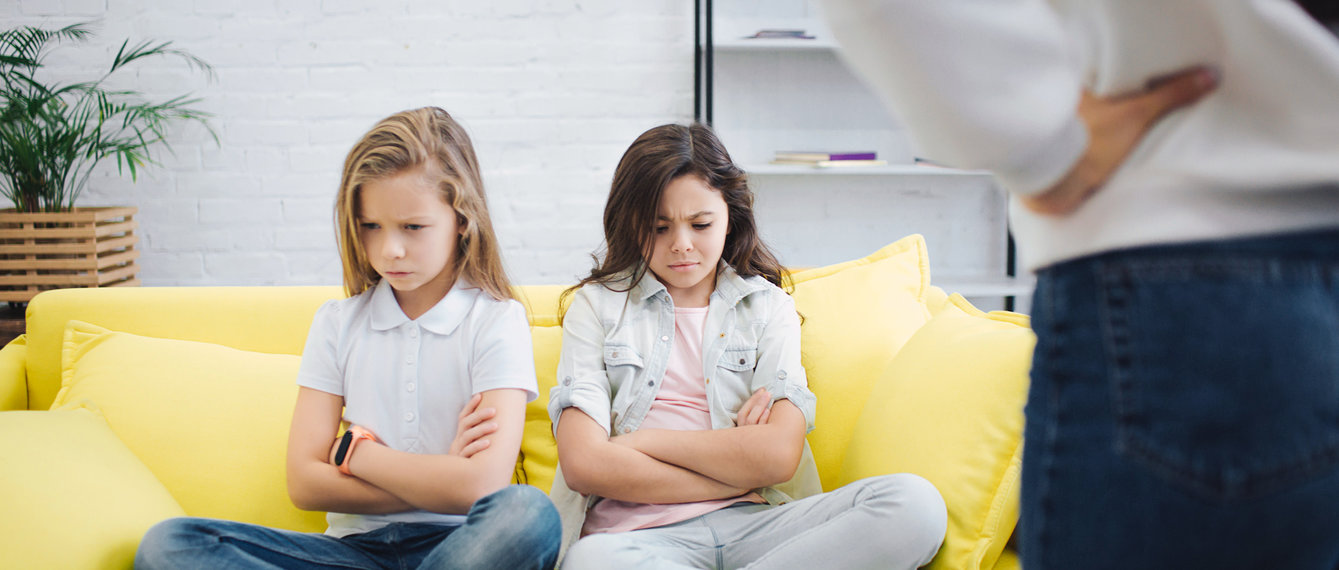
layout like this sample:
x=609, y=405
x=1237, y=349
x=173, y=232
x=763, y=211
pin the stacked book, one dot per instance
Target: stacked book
x=780, y=35
x=819, y=159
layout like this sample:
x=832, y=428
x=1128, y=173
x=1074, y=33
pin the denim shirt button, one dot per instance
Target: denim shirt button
x=651, y=383
x=741, y=361
x=614, y=355
x=567, y=381
x=781, y=374
x=664, y=339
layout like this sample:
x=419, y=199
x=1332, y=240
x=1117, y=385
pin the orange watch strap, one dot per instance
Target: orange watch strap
x=359, y=434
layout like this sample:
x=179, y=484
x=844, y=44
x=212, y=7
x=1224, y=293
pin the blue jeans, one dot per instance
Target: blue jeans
x=1184, y=408
x=514, y=528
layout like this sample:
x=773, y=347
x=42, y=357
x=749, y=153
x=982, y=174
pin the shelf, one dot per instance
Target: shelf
x=986, y=286
x=765, y=169
x=775, y=44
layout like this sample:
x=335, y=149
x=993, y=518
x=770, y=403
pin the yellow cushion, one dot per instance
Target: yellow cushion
x=539, y=451
x=263, y=319
x=949, y=408
x=73, y=496
x=13, y=379
x=211, y=422
x=857, y=315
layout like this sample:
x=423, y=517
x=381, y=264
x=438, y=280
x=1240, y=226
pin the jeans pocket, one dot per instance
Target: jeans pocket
x=1225, y=372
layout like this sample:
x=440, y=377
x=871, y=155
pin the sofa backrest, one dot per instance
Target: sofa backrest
x=259, y=319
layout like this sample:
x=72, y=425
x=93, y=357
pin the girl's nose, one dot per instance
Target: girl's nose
x=392, y=248
x=683, y=242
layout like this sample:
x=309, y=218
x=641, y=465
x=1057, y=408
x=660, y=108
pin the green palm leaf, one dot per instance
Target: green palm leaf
x=53, y=135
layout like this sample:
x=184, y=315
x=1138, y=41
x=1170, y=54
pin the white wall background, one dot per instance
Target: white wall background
x=551, y=91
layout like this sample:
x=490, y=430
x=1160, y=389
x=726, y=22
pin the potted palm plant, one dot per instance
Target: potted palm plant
x=52, y=135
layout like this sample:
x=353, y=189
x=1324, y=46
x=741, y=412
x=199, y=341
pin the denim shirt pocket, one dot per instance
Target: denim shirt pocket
x=735, y=367
x=621, y=355
x=739, y=359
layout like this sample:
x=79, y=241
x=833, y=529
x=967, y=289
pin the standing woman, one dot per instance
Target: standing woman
x=1175, y=167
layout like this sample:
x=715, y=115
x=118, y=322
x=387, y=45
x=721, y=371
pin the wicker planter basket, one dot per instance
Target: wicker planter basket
x=85, y=247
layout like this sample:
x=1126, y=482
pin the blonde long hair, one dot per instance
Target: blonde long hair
x=421, y=138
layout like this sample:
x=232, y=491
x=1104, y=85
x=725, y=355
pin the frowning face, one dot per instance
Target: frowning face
x=692, y=221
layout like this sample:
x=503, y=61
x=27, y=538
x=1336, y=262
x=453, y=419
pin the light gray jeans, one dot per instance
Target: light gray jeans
x=890, y=521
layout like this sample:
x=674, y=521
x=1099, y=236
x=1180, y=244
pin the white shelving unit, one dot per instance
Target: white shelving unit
x=767, y=95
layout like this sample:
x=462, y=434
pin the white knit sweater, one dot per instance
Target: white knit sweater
x=993, y=84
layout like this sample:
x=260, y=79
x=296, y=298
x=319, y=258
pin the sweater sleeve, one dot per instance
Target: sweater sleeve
x=983, y=84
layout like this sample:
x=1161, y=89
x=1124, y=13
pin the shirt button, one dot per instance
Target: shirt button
x=614, y=355
x=409, y=416
x=781, y=374
x=741, y=361
x=708, y=380
x=413, y=333
x=567, y=381
x=651, y=383
x=410, y=387
x=664, y=339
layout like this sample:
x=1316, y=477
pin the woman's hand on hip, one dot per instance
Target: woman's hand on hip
x=1116, y=124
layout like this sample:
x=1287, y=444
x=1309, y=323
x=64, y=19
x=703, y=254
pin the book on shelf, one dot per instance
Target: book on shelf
x=816, y=156
x=820, y=159
x=779, y=35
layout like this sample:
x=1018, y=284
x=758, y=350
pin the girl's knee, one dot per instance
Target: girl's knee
x=917, y=510
x=524, y=501
x=157, y=548
x=601, y=550
x=527, y=514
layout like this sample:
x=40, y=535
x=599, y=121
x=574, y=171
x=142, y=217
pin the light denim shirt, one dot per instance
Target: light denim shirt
x=616, y=347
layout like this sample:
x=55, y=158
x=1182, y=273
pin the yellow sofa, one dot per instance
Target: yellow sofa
x=121, y=407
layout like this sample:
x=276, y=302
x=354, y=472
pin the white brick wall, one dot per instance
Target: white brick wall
x=551, y=91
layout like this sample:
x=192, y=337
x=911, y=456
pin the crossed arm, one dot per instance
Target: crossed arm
x=669, y=466
x=384, y=480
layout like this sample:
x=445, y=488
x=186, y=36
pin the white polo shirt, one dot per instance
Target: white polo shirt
x=407, y=380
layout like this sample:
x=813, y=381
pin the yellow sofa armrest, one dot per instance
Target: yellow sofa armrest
x=14, y=375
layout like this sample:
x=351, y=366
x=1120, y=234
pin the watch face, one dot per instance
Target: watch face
x=343, y=447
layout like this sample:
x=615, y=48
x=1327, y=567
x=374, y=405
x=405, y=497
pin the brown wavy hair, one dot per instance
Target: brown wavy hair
x=656, y=158
x=421, y=138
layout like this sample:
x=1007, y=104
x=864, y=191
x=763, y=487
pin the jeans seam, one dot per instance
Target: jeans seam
x=716, y=543
x=1044, y=499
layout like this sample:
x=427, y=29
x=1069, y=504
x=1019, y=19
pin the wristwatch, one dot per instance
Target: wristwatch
x=351, y=438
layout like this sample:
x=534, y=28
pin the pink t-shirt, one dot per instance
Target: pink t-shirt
x=680, y=404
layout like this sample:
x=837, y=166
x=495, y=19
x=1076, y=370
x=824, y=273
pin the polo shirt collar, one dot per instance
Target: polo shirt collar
x=442, y=318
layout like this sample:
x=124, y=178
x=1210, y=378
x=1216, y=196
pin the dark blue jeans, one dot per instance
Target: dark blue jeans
x=1184, y=408
x=514, y=528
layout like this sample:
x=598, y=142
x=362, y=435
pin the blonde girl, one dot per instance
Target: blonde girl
x=681, y=407
x=429, y=363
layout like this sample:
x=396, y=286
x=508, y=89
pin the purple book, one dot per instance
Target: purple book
x=796, y=155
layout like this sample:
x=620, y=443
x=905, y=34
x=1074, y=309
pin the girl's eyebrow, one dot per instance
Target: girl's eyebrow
x=689, y=217
x=410, y=220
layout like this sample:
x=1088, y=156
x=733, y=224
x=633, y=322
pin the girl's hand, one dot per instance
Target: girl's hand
x=472, y=428
x=756, y=410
